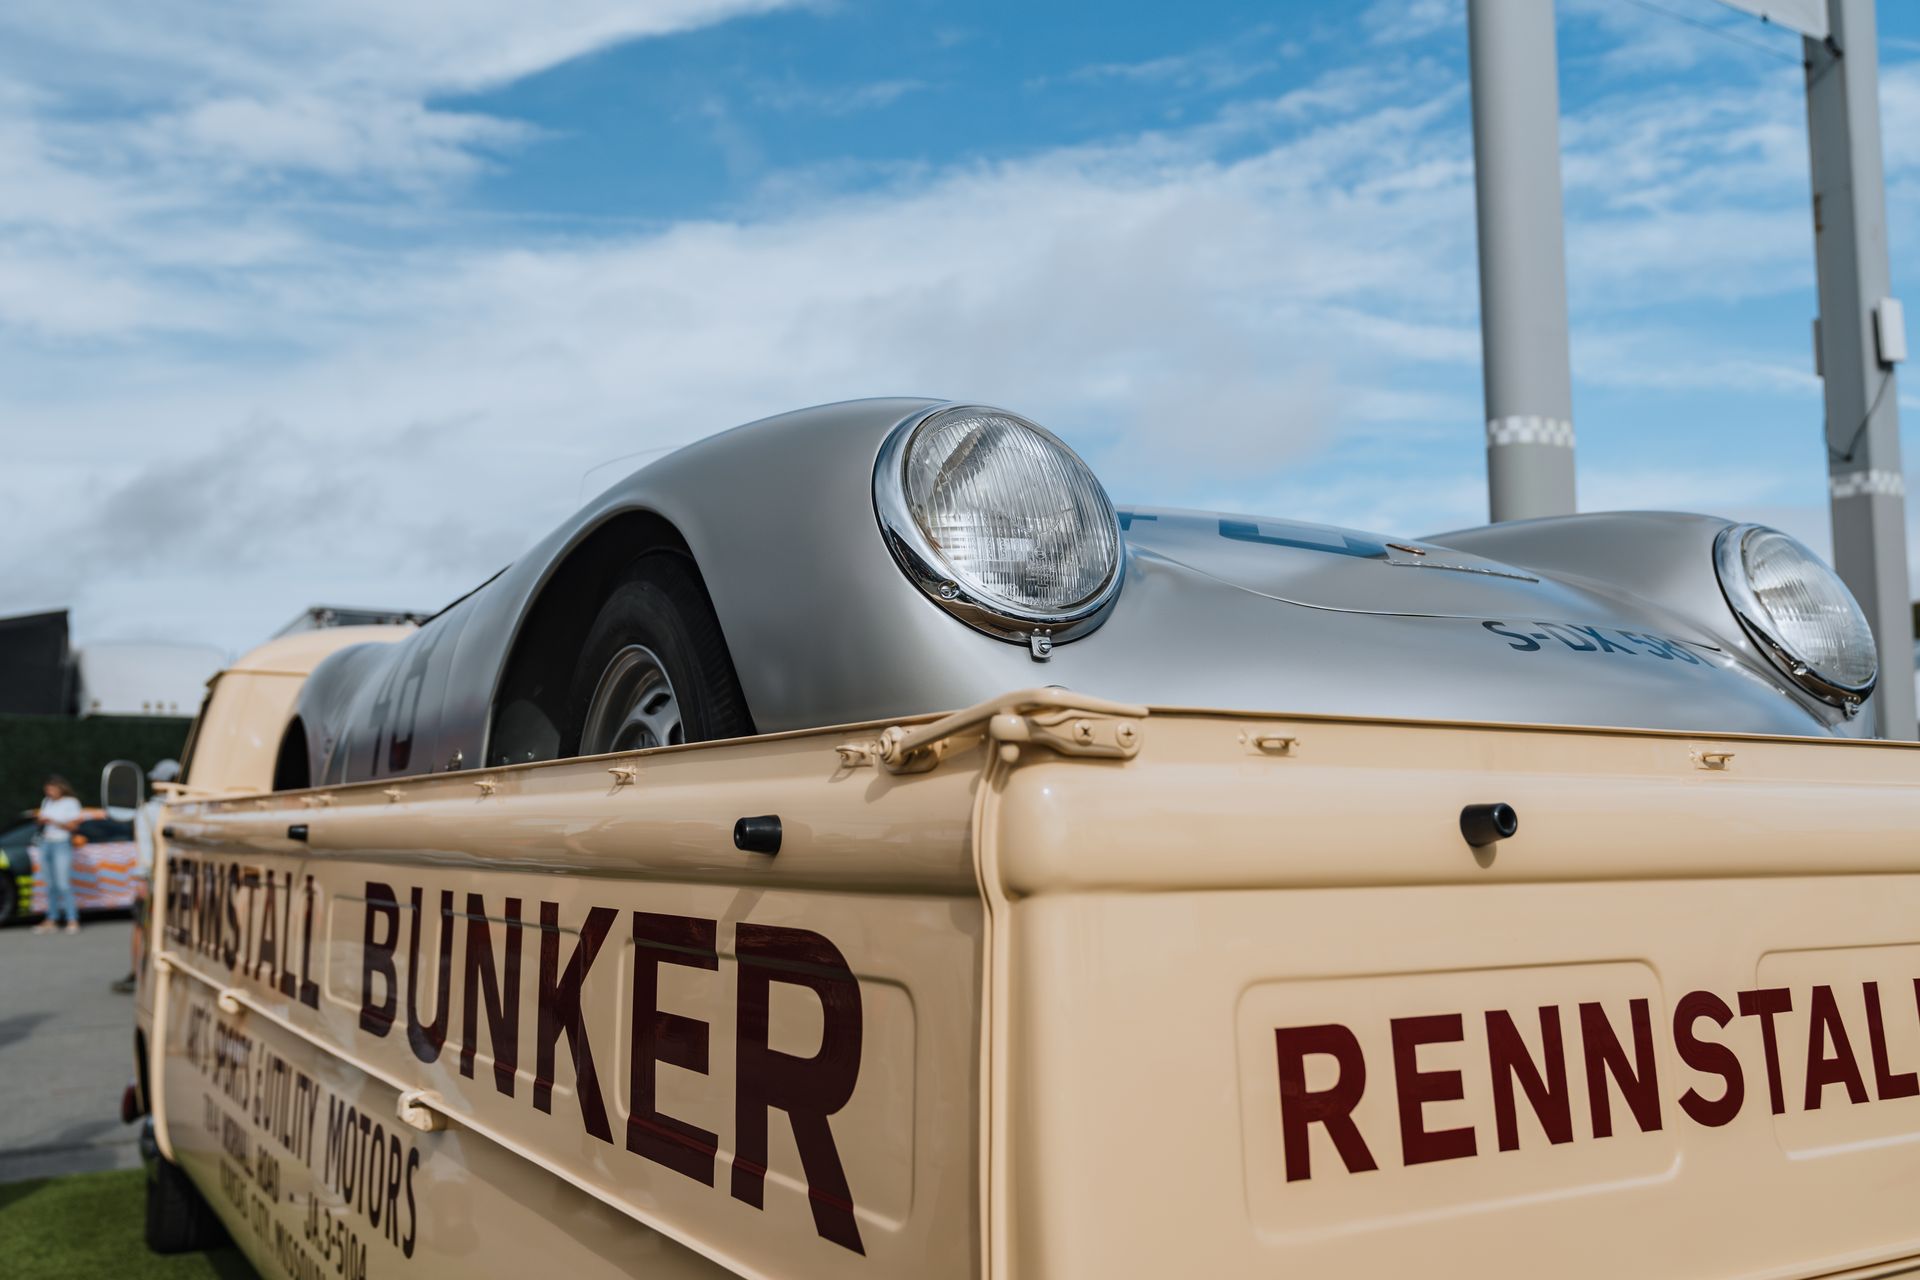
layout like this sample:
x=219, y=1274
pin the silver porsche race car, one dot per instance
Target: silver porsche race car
x=885, y=558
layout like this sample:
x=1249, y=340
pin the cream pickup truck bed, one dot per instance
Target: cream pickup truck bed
x=1060, y=988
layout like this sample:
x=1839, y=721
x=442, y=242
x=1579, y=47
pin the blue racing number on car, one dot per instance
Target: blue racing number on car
x=1528, y=637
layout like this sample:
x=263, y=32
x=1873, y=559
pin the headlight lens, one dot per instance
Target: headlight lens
x=1799, y=610
x=999, y=521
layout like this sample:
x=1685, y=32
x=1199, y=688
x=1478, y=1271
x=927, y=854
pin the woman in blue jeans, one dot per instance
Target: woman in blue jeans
x=59, y=814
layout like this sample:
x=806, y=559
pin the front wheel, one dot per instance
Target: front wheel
x=9, y=897
x=179, y=1219
x=654, y=670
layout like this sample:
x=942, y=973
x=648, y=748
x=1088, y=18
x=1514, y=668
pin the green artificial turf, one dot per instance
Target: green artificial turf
x=89, y=1226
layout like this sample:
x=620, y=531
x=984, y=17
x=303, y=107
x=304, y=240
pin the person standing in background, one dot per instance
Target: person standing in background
x=59, y=814
x=143, y=828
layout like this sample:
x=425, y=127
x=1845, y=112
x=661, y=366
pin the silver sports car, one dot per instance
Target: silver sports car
x=884, y=558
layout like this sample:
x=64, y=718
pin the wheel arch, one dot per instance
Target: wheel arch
x=529, y=700
x=293, y=761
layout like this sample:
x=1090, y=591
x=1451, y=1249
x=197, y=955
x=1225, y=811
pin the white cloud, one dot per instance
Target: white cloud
x=1670, y=36
x=1399, y=21
x=366, y=136
x=425, y=46
x=792, y=95
x=240, y=89
x=1213, y=68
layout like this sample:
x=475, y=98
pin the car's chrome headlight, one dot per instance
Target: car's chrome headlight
x=1799, y=611
x=999, y=522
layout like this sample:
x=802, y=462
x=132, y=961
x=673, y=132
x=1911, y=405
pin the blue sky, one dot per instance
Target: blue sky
x=342, y=302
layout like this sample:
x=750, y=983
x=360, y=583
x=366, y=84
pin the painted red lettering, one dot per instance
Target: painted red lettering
x=309, y=989
x=1767, y=1003
x=376, y=959
x=1301, y=1107
x=560, y=1015
x=427, y=1038
x=1887, y=1084
x=808, y=1089
x=1546, y=1090
x=1839, y=1067
x=501, y=991
x=1415, y=1088
x=659, y=1036
x=1605, y=1057
x=1709, y=1056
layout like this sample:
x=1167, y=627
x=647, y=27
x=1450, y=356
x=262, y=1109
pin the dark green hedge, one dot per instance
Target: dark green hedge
x=31, y=747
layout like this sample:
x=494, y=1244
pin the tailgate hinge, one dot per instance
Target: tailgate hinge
x=1072, y=724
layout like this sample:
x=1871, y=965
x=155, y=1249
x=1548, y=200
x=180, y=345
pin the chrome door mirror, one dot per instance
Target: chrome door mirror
x=123, y=789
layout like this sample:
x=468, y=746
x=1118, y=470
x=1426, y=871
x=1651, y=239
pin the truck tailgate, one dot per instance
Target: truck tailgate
x=1257, y=1007
x=556, y=1020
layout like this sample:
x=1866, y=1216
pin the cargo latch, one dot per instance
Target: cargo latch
x=1070, y=732
x=420, y=1109
x=1068, y=723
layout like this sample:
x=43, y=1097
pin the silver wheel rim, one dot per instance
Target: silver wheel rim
x=633, y=706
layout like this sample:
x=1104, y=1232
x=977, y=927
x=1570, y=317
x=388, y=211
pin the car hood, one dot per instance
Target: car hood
x=1323, y=567
x=1222, y=610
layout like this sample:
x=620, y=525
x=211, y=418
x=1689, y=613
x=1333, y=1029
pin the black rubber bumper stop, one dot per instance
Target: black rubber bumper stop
x=1482, y=824
x=758, y=835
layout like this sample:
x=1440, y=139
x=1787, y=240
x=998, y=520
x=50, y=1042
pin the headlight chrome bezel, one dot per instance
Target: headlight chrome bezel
x=942, y=582
x=1729, y=558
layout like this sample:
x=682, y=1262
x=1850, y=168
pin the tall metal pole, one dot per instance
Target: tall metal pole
x=1523, y=270
x=1859, y=344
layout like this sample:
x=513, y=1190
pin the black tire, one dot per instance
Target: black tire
x=179, y=1219
x=9, y=898
x=660, y=603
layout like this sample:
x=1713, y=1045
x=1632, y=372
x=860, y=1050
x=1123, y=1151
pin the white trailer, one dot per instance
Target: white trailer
x=143, y=679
